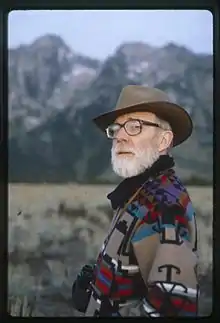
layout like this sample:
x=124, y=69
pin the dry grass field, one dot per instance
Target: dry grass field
x=55, y=229
x=44, y=195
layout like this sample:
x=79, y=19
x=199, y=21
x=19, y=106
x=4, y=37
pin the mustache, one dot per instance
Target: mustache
x=118, y=150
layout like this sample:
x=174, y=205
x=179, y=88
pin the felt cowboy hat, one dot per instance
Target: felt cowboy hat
x=135, y=98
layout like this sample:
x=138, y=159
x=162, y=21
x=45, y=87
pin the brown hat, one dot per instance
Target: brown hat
x=135, y=98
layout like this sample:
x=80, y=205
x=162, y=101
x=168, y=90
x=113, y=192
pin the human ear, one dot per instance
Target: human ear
x=165, y=141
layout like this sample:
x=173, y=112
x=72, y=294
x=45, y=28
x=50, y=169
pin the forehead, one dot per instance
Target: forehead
x=142, y=115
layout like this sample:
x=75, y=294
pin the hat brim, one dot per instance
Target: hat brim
x=177, y=117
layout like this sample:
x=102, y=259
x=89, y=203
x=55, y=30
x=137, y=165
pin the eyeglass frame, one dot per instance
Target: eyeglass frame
x=142, y=122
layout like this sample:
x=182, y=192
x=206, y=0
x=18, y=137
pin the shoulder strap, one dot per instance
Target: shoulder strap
x=129, y=201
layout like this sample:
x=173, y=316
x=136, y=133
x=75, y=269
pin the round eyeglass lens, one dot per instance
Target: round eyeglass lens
x=133, y=127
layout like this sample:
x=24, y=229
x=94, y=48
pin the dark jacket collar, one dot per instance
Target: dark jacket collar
x=128, y=187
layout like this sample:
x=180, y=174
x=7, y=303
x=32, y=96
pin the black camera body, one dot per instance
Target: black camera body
x=81, y=291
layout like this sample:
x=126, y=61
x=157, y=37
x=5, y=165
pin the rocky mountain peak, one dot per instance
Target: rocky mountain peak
x=55, y=92
x=49, y=41
x=135, y=49
x=174, y=48
x=43, y=78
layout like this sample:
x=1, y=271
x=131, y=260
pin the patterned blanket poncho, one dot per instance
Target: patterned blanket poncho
x=147, y=265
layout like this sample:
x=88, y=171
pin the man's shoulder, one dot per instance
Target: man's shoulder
x=166, y=189
x=164, y=195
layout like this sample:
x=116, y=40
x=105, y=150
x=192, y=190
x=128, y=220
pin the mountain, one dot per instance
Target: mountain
x=54, y=93
x=43, y=78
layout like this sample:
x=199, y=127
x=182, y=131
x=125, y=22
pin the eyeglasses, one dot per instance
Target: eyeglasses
x=132, y=127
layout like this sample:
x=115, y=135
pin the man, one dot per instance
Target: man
x=147, y=265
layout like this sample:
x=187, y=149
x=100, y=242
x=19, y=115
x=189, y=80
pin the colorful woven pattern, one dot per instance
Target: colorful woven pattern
x=150, y=252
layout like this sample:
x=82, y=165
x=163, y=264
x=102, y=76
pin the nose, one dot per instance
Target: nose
x=121, y=135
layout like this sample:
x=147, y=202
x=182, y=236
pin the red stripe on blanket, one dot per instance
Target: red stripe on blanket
x=184, y=305
x=104, y=289
x=181, y=219
x=106, y=272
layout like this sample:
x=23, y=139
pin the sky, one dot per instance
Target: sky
x=97, y=33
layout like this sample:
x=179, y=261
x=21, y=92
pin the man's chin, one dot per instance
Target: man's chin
x=127, y=173
x=128, y=165
x=126, y=169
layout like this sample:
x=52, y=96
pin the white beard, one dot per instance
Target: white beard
x=129, y=166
